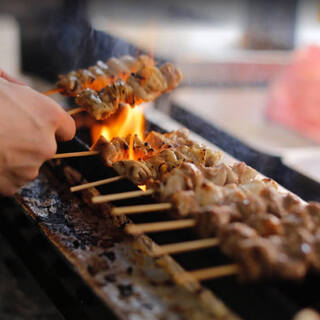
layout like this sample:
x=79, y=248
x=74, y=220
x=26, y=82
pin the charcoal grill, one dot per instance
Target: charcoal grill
x=91, y=269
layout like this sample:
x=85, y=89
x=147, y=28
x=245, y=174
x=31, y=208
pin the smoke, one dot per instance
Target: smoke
x=70, y=42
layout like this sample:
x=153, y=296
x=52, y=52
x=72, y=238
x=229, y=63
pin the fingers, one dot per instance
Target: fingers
x=7, y=187
x=11, y=181
x=48, y=111
x=7, y=77
x=10, y=185
x=66, y=129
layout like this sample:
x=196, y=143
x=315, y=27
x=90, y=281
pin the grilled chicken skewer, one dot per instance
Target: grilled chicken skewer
x=269, y=234
x=266, y=232
x=145, y=85
x=155, y=156
x=100, y=75
x=118, y=149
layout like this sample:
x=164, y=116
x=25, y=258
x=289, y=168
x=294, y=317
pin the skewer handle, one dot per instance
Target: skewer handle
x=76, y=110
x=136, y=229
x=184, y=246
x=52, y=91
x=207, y=273
x=75, y=154
x=95, y=183
x=119, y=211
x=120, y=196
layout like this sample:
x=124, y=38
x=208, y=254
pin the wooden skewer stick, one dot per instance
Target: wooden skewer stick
x=75, y=154
x=121, y=195
x=119, y=211
x=52, y=91
x=135, y=229
x=207, y=273
x=180, y=247
x=76, y=110
x=95, y=183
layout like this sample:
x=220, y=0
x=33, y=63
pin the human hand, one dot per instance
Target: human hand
x=29, y=125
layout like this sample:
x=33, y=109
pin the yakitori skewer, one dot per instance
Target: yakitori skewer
x=120, y=196
x=145, y=85
x=184, y=246
x=151, y=227
x=95, y=183
x=207, y=273
x=250, y=217
x=98, y=76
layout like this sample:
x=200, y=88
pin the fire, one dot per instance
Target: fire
x=127, y=120
x=102, y=81
x=143, y=187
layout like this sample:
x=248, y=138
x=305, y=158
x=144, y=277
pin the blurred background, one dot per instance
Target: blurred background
x=250, y=67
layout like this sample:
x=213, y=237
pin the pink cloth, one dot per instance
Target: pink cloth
x=294, y=98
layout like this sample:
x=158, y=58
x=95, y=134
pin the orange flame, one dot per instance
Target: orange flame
x=102, y=81
x=127, y=120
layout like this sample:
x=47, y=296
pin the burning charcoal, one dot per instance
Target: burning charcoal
x=110, y=278
x=91, y=270
x=110, y=255
x=125, y=290
x=76, y=244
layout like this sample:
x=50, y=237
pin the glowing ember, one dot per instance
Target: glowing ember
x=126, y=121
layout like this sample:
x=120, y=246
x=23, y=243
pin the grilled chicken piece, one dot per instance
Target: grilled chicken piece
x=141, y=149
x=118, y=148
x=137, y=171
x=222, y=174
x=184, y=202
x=244, y=173
x=232, y=233
x=179, y=140
x=265, y=224
x=267, y=233
x=145, y=85
x=100, y=75
x=112, y=151
x=212, y=219
x=157, y=165
x=186, y=177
